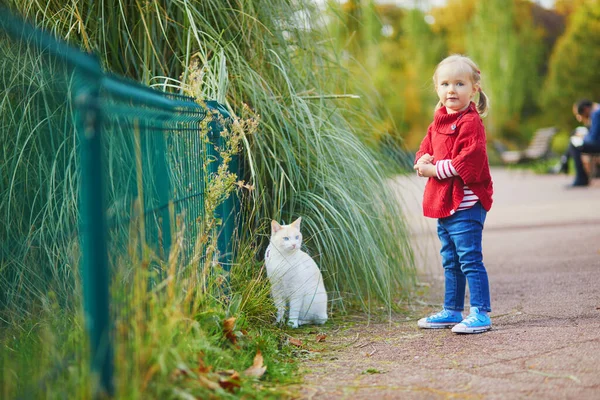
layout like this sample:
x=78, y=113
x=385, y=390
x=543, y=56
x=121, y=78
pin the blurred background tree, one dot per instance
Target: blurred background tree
x=573, y=68
x=421, y=49
x=527, y=54
x=566, y=7
x=498, y=35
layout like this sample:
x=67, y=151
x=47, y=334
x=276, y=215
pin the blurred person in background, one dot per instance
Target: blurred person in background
x=588, y=113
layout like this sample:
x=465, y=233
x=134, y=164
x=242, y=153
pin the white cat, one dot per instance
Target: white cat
x=295, y=278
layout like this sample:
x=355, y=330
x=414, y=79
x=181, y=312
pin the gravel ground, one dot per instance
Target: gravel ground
x=542, y=251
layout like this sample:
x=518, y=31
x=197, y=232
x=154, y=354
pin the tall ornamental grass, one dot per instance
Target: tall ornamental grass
x=174, y=334
x=38, y=183
x=305, y=159
x=183, y=335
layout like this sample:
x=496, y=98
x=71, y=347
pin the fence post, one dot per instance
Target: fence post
x=93, y=237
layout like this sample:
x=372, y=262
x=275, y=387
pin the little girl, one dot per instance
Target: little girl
x=458, y=192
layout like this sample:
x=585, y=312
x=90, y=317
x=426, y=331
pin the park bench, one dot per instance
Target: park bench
x=539, y=147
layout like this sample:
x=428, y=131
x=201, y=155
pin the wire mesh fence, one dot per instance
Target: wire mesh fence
x=96, y=173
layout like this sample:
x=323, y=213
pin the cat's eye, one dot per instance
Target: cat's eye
x=297, y=237
x=286, y=238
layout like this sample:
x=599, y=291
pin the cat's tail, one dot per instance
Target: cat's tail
x=316, y=311
x=313, y=319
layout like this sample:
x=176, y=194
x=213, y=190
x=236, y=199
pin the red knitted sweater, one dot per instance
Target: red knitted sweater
x=459, y=137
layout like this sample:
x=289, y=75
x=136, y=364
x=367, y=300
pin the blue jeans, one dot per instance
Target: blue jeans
x=581, y=177
x=462, y=259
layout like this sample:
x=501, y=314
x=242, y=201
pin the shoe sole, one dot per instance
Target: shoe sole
x=429, y=325
x=479, y=329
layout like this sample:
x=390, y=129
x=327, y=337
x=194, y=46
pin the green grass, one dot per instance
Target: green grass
x=38, y=182
x=179, y=350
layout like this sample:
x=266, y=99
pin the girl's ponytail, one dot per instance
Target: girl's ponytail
x=482, y=103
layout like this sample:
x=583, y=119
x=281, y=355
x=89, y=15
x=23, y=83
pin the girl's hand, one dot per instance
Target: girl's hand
x=425, y=169
x=425, y=159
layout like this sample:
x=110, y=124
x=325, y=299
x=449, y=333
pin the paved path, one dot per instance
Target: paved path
x=542, y=252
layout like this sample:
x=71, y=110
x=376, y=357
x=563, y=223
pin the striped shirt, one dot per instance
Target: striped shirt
x=444, y=170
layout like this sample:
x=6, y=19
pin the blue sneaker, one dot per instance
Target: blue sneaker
x=443, y=319
x=476, y=322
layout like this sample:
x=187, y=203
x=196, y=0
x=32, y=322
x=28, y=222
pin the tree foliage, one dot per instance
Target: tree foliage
x=498, y=36
x=422, y=50
x=452, y=29
x=574, y=71
x=567, y=7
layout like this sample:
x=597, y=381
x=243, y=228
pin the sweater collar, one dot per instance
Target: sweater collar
x=444, y=121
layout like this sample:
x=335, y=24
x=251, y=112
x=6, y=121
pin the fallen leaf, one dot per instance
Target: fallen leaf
x=295, y=342
x=227, y=373
x=321, y=338
x=202, y=368
x=207, y=383
x=228, y=326
x=257, y=369
x=179, y=372
x=231, y=382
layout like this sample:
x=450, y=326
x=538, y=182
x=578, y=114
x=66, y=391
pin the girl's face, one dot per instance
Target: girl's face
x=454, y=87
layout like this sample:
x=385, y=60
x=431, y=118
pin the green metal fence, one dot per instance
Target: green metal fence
x=95, y=168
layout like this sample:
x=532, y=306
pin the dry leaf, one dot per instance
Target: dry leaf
x=295, y=342
x=257, y=369
x=227, y=373
x=242, y=184
x=178, y=373
x=231, y=382
x=321, y=337
x=202, y=368
x=228, y=326
x=207, y=383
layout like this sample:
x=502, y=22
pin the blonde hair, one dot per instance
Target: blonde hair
x=469, y=66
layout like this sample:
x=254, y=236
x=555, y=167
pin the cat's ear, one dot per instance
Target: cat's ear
x=296, y=223
x=275, y=226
